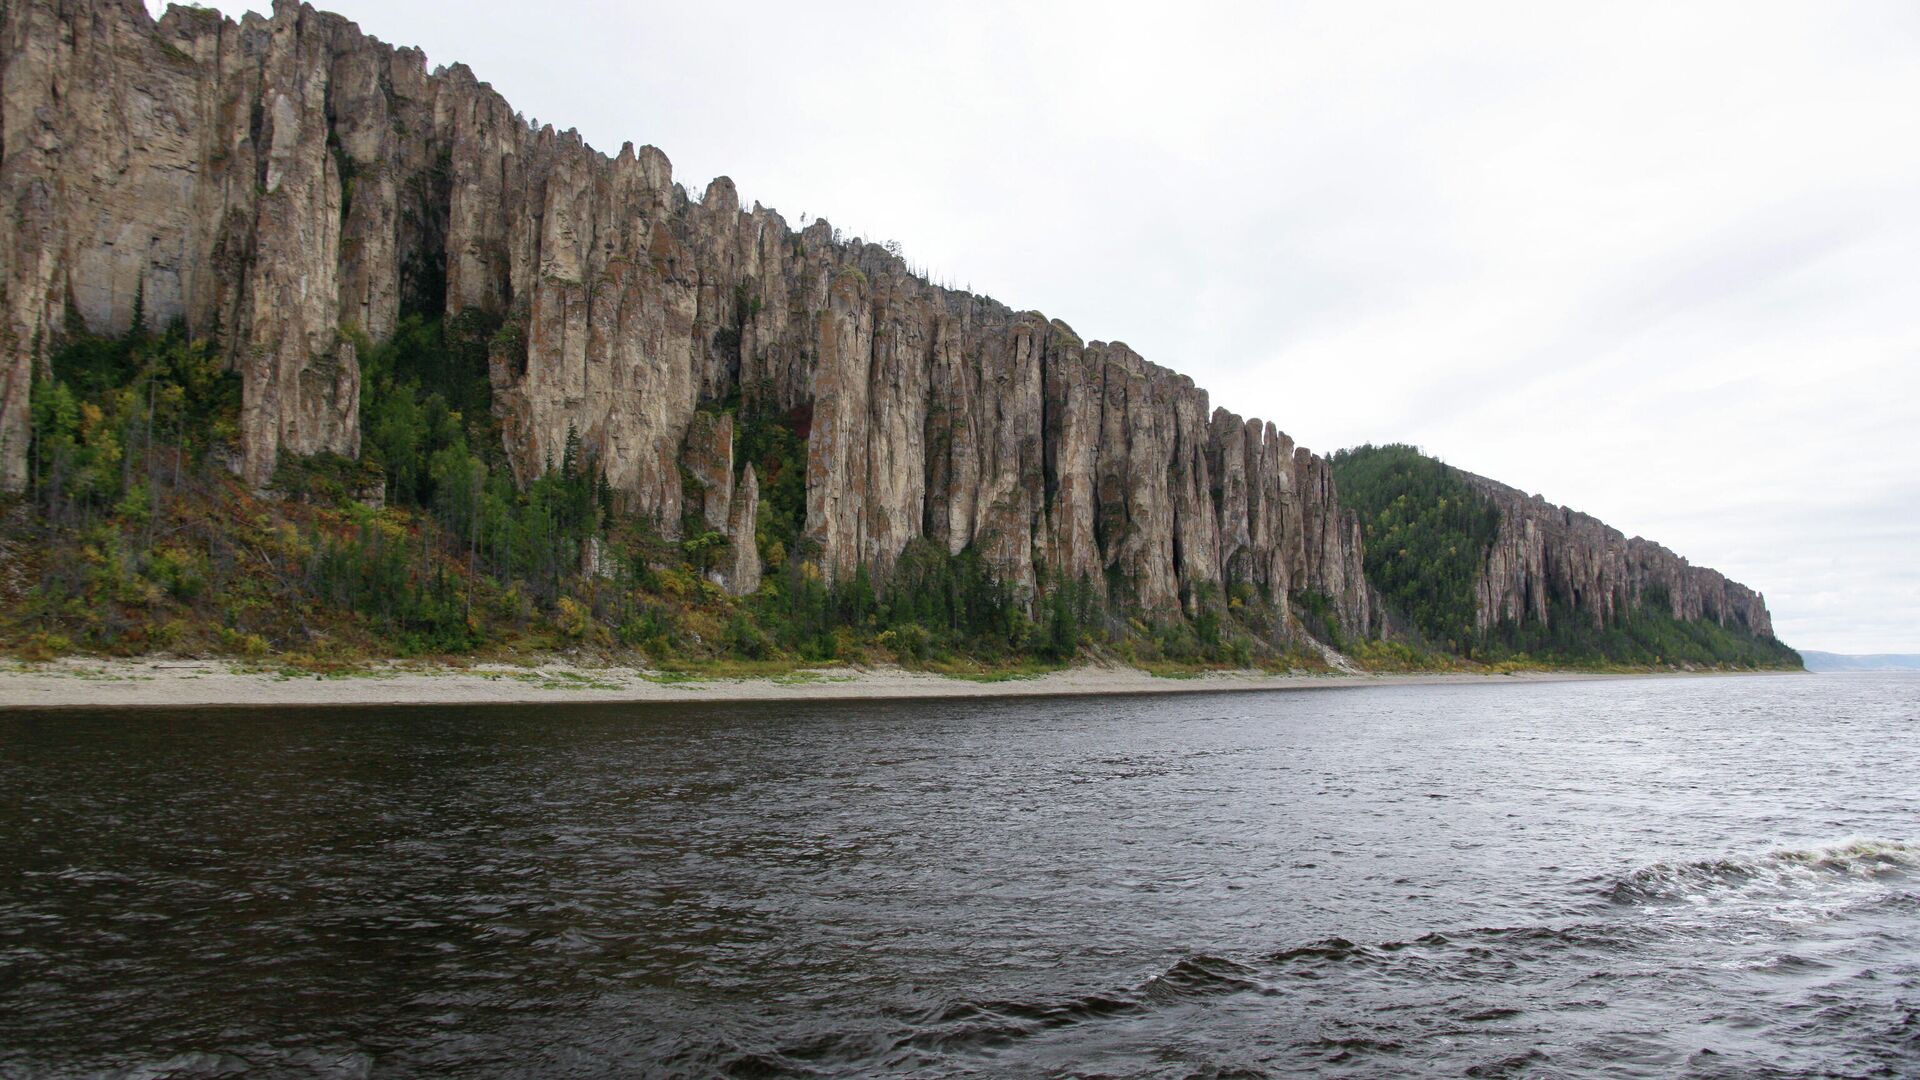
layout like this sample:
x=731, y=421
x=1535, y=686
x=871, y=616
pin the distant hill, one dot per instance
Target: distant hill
x=1826, y=661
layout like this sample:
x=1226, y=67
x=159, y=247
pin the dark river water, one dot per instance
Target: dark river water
x=1697, y=877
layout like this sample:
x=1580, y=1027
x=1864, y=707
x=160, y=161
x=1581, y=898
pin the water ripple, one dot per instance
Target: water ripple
x=1713, y=877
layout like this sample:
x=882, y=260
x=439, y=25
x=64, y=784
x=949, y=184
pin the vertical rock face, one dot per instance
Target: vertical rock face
x=191, y=163
x=709, y=458
x=742, y=574
x=288, y=184
x=1545, y=553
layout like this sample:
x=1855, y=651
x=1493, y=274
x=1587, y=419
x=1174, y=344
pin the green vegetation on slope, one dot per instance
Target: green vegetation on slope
x=136, y=537
x=1646, y=636
x=776, y=445
x=1427, y=535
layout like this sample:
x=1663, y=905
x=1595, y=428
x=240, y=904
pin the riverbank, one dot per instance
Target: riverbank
x=207, y=683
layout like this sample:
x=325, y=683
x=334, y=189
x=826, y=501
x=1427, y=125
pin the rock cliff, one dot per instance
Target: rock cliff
x=286, y=184
x=1545, y=553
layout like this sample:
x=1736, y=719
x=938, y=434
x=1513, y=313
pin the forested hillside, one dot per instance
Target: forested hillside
x=1431, y=537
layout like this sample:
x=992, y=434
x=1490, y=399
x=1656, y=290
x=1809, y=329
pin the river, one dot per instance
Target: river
x=1641, y=877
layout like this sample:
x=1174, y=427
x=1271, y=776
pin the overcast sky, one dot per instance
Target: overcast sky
x=1658, y=262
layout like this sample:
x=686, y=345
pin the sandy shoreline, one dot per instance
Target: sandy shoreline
x=73, y=684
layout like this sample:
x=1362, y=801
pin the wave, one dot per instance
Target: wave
x=973, y=1024
x=1482, y=954
x=1860, y=860
x=1458, y=983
